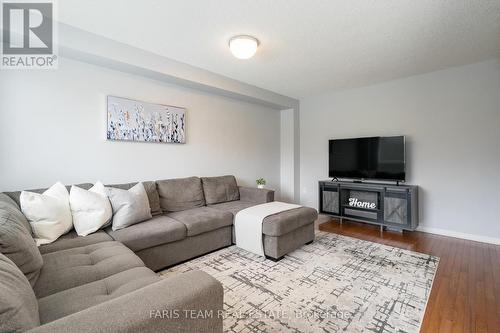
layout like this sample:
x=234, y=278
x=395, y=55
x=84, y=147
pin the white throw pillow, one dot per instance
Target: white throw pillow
x=129, y=207
x=49, y=213
x=91, y=209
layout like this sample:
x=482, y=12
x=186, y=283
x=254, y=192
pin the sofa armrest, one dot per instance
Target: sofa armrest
x=189, y=302
x=256, y=195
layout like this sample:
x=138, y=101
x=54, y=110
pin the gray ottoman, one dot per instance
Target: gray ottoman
x=287, y=231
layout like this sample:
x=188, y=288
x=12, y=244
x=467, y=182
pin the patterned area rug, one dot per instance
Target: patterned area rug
x=336, y=284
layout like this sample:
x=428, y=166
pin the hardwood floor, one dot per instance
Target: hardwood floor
x=466, y=293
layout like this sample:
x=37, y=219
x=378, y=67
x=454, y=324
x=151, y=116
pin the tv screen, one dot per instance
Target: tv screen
x=381, y=158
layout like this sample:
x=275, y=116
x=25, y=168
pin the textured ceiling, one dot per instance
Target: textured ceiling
x=307, y=47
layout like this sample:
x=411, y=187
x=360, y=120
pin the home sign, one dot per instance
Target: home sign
x=354, y=202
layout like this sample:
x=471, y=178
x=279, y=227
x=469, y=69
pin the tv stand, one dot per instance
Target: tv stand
x=387, y=205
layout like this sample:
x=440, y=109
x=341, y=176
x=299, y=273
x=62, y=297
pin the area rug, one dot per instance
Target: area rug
x=335, y=284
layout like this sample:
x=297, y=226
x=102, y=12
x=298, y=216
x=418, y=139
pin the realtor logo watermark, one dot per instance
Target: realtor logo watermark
x=28, y=35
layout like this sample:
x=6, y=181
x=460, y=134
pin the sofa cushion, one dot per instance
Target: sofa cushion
x=16, y=242
x=220, y=189
x=180, y=194
x=156, y=231
x=72, y=240
x=79, y=298
x=18, y=305
x=153, y=197
x=256, y=195
x=233, y=206
x=7, y=203
x=77, y=266
x=202, y=219
x=284, y=222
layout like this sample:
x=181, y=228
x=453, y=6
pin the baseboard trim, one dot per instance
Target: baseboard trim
x=455, y=234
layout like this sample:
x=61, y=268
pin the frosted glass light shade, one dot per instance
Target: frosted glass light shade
x=243, y=47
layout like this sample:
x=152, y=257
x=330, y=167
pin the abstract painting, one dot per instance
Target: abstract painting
x=130, y=120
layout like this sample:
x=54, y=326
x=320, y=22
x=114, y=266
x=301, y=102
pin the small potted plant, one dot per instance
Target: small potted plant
x=261, y=182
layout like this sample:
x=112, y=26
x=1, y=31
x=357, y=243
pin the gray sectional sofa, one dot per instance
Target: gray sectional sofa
x=106, y=281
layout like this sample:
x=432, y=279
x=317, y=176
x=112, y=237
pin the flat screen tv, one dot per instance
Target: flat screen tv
x=377, y=158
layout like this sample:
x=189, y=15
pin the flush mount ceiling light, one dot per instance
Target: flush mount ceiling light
x=243, y=47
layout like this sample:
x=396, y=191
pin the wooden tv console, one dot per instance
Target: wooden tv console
x=392, y=206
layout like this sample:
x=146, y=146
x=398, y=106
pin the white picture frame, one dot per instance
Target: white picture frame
x=132, y=120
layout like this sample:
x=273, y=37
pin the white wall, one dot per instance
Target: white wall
x=452, y=122
x=287, y=171
x=52, y=127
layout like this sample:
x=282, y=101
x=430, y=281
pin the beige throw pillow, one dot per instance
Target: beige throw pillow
x=49, y=213
x=129, y=207
x=91, y=209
